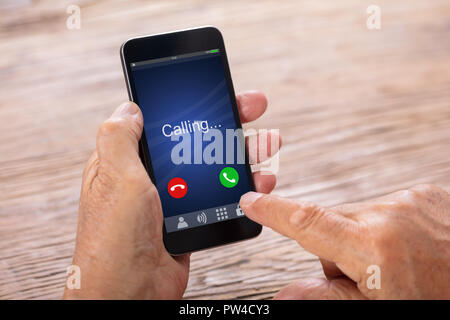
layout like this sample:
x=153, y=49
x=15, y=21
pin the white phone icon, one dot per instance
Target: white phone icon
x=182, y=186
x=226, y=177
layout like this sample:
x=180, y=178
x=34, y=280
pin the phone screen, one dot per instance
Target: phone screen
x=194, y=140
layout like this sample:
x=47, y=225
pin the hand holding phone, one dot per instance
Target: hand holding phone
x=119, y=246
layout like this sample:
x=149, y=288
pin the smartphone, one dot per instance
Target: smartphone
x=192, y=144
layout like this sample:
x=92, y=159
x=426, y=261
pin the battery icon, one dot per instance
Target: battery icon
x=214, y=51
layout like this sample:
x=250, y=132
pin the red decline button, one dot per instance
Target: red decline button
x=177, y=188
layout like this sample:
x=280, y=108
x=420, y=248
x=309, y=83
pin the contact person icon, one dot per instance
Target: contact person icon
x=181, y=223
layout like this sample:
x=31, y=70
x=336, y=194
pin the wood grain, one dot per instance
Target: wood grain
x=362, y=113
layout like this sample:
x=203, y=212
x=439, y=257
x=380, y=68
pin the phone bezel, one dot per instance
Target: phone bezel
x=172, y=44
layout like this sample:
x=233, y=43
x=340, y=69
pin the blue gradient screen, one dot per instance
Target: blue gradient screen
x=176, y=92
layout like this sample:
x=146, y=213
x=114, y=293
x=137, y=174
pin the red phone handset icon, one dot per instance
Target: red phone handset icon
x=177, y=188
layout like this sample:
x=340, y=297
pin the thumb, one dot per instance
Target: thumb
x=321, y=289
x=118, y=137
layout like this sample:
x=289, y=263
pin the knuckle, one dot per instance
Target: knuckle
x=134, y=176
x=427, y=196
x=406, y=195
x=404, y=204
x=120, y=126
x=421, y=191
x=429, y=191
x=138, y=181
x=153, y=191
x=423, y=188
x=264, y=201
x=406, y=200
x=150, y=192
x=111, y=127
x=306, y=216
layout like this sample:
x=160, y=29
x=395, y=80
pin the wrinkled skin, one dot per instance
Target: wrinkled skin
x=120, y=251
x=119, y=246
x=406, y=234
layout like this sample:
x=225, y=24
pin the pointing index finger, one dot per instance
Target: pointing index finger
x=319, y=230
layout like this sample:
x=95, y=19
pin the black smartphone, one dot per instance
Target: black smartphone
x=192, y=145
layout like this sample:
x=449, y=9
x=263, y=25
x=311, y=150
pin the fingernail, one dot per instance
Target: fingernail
x=125, y=109
x=248, y=198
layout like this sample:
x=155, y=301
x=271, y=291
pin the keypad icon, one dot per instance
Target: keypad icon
x=221, y=214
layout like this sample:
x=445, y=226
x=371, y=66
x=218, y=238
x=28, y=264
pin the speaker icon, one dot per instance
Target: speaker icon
x=201, y=218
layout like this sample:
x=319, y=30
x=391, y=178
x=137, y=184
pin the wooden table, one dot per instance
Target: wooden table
x=362, y=113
